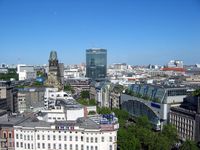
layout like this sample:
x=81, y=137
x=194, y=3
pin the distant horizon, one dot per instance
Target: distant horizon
x=133, y=31
x=184, y=64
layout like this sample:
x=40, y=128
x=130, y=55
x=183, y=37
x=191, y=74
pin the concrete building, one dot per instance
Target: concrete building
x=30, y=99
x=120, y=66
x=51, y=94
x=69, y=129
x=175, y=64
x=26, y=72
x=96, y=63
x=7, y=136
x=186, y=118
x=79, y=84
x=8, y=96
x=21, y=99
x=115, y=95
x=103, y=94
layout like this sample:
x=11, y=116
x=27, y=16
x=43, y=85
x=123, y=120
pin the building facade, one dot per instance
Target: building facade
x=186, y=118
x=67, y=127
x=96, y=63
x=154, y=101
x=26, y=72
x=8, y=96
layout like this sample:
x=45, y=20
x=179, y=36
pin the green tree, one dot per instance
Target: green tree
x=68, y=87
x=83, y=102
x=143, y=121
x=196, y=92
x=11, y=74
x=170, y=132
x=122, y=116
x=87, y=102
x=127, y=140
x=189, y=145
x=85, y=94
x=92, y=113
x=92, y=102
x=103, y=110
x=36, y=83
x=160, y=142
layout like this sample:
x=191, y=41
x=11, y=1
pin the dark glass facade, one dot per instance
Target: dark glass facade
x=96, y=63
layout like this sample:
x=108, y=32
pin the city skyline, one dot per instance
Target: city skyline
x=134, y=32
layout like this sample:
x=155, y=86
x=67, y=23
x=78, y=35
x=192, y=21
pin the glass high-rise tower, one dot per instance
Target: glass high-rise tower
x=96, y=63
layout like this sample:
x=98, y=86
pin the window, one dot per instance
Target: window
x=20, y=136
x=24, y=137
x=54, y=137
x=81, y=138
x=17, y=144
x=87, y=147
x=76, y=138
x=31, y=137
x=82, y=148
x=70, y=138
x=91, y=139
x=49, y=146
x=43, y=145
x=29, y=146
x=87, y=139
x=10, y=144
x=42, y=137
x=91, y=147
x=4, y=135
x=110, y=147
x=38, y=137
x=96, y=148
x=65, y=146
x=102, y=139
x=59, y=137
x=76, y=146
x=21, y=144
x=48, y=137
x=38, y=145
x=54, y=146
x=96, y=140
x=60, y=147
x=65, y=138
x=10, y=135
x=70, y=146
x=110, y=139
x=17, y=136
x=28, y=137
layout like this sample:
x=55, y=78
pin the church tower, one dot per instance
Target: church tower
x=54, y=74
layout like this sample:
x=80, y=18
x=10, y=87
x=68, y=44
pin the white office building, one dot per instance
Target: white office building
x=26, y=72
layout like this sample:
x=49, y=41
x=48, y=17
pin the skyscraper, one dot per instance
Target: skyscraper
x=96, y=63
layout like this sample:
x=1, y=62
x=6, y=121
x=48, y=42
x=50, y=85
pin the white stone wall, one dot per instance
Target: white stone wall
x=47, y=139
x=74, y=114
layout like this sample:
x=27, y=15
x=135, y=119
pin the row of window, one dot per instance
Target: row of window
x=184, y=120
x=58, y=146
x=91, y=139
x=7, y=136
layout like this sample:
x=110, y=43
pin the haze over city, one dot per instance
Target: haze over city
x=133, y=31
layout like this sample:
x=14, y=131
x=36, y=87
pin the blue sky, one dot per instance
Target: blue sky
x=133, y=31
